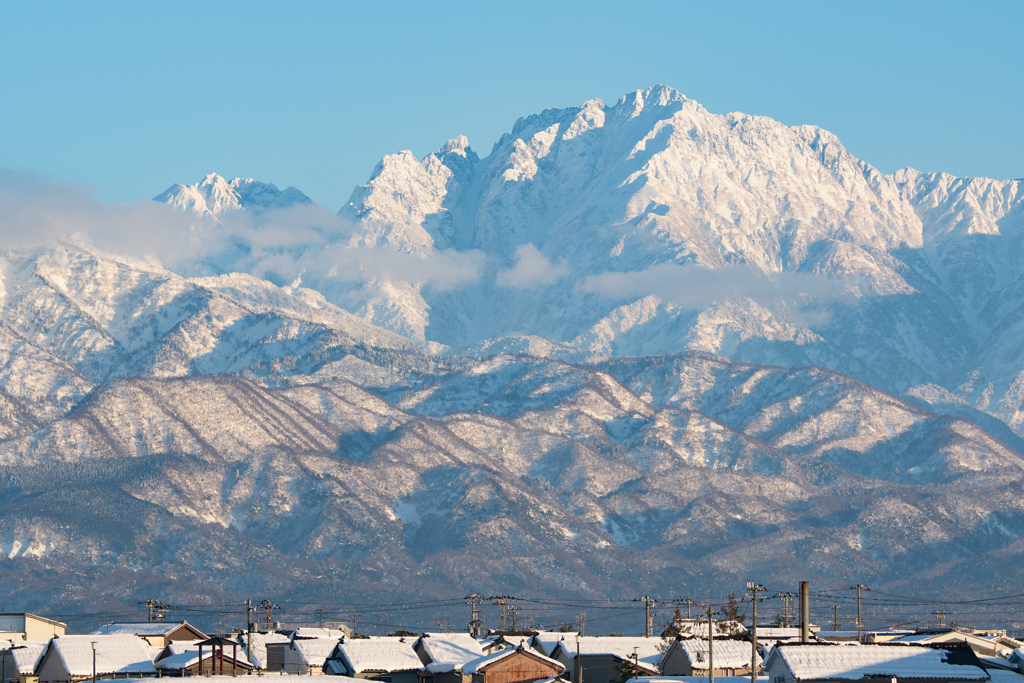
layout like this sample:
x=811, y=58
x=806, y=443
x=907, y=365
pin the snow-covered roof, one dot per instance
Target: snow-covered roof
x=145, y=628
x=1005, y=676
x=305, y=632
x=723, y=627
x=448, y=652
x=693, y=679
x=26, y=654
x=315, y=651
x=854, y=662
x=547, y=640
x=477, y=664
x=730, y=654
x=258, y=656
x=114, y=654
x=182, y=654
x=378, y=655
x=649, y=650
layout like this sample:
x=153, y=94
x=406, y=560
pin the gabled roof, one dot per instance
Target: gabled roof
x=315, y=651
x=730, y=654
x=448, y=652
x=147, y=628
x=478, y=665
x=855, y=662
x=26, y=654
x=648, y=649
x=378, y=655
x=547, y=640
x=182, y=654
x=114, y=654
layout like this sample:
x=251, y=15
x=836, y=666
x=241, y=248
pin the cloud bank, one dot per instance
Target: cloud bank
x=532, y=269
x=279, y=244
x=693, y=286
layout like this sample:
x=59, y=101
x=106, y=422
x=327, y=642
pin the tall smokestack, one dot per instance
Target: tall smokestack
x=805, y=612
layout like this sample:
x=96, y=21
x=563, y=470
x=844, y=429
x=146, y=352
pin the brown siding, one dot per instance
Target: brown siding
x=517, y=668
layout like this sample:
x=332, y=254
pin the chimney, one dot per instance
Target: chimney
x=805, y=612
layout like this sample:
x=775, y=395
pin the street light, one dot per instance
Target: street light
x=94, y=661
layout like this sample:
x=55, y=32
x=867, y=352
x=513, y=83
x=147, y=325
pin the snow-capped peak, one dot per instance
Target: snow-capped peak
x=215, y=196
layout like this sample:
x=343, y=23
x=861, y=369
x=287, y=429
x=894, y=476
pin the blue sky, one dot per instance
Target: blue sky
x=128, y=98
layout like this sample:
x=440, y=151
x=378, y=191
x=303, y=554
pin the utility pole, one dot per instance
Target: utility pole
x=267, y=605
x=501, y=604
x=648, y=601
x=835, y=617
x=787, y=607
x=754, y=589
x=860, y=623
x=93, y=661
x=475, y=622
x=514, y=611
x=941, y=615
x=155, y=606
x=711, y=648
x=689, y=603
x=248, y=630
x=581, y=624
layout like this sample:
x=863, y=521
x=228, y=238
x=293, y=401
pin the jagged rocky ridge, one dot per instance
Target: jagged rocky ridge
x=204, y=435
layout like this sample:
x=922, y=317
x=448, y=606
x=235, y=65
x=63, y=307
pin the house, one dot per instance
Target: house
x=513, y=665
x=255, y=645
x=18, y=660
x=378, y=659
x=603, y=658
x=980, y=644
x=24, y=626
x=545, y=641
x=156, y=633
x=302, y=656
x=496, y=643
x=181, y=658
x=722, y=627
x=814, y=662
x=444, y=654
x=690, y=657
x=71, y=658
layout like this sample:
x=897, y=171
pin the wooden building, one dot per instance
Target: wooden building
x=182, y=658
x=513, y=665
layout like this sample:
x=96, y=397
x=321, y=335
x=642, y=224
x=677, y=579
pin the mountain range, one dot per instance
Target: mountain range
x=636, y=348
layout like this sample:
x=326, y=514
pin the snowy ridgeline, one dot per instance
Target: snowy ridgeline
x=510, y=363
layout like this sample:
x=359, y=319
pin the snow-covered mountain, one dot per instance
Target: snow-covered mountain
x=214, y=196
x=632, y=343
x=653, y=226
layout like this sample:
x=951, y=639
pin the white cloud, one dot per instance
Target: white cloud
x=532, y=269
x=278, y=244
x=693, y=286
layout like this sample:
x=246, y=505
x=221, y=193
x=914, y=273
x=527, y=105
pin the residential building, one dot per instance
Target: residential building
x=691, y=657
x=819, y=663
x=513, y=665
x=444, y=654
x=76, y=658
x=24, y=626
x=378, y=659
x=156, y=633
x=605, y=658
